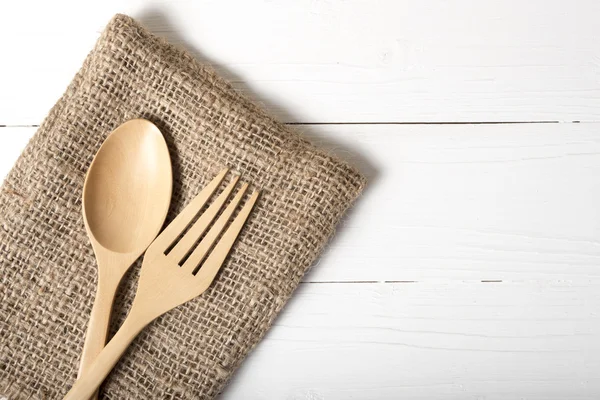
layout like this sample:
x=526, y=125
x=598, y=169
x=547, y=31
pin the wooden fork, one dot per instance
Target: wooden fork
x=164, y=283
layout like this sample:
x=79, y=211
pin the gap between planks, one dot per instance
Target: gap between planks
x=394, y=282
x=390, y=123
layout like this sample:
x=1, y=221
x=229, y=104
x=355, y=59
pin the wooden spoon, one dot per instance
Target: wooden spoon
x=126, y=196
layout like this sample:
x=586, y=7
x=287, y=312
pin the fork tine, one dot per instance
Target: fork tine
x=200, y=252
x=211, y=266
x=184, y=245
x=183, y=219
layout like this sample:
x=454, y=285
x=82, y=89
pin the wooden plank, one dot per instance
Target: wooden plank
x=457, y=202
x=12, y=143
x=468, y=202
x=337, y=60
x=429, y=341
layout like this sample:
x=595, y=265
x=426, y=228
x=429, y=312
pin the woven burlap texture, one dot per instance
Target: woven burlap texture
x=47, y=266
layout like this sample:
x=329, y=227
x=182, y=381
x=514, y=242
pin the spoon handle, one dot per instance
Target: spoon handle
x=90, y=380
x=99, y=323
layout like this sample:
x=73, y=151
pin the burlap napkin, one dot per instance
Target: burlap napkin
x=47, y=267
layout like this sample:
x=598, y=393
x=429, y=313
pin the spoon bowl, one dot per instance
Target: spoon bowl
x=126, y=197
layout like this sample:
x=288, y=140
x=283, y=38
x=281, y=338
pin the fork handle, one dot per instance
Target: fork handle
x=92, y=377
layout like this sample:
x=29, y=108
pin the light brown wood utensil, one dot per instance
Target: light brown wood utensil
x=170, y=275
x=126, y=197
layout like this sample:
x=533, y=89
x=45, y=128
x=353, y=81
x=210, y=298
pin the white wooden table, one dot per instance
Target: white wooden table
x=470, y=268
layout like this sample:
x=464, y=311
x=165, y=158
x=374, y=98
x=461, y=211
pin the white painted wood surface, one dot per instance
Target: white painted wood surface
x=337, y=60
x=470, y=268
x=430, y=341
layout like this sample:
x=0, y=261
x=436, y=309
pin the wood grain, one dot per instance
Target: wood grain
x=444, y=341
x=337, y=60
x=468, y=202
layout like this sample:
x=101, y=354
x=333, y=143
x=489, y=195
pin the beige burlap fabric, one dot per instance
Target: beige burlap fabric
x=47, y=267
